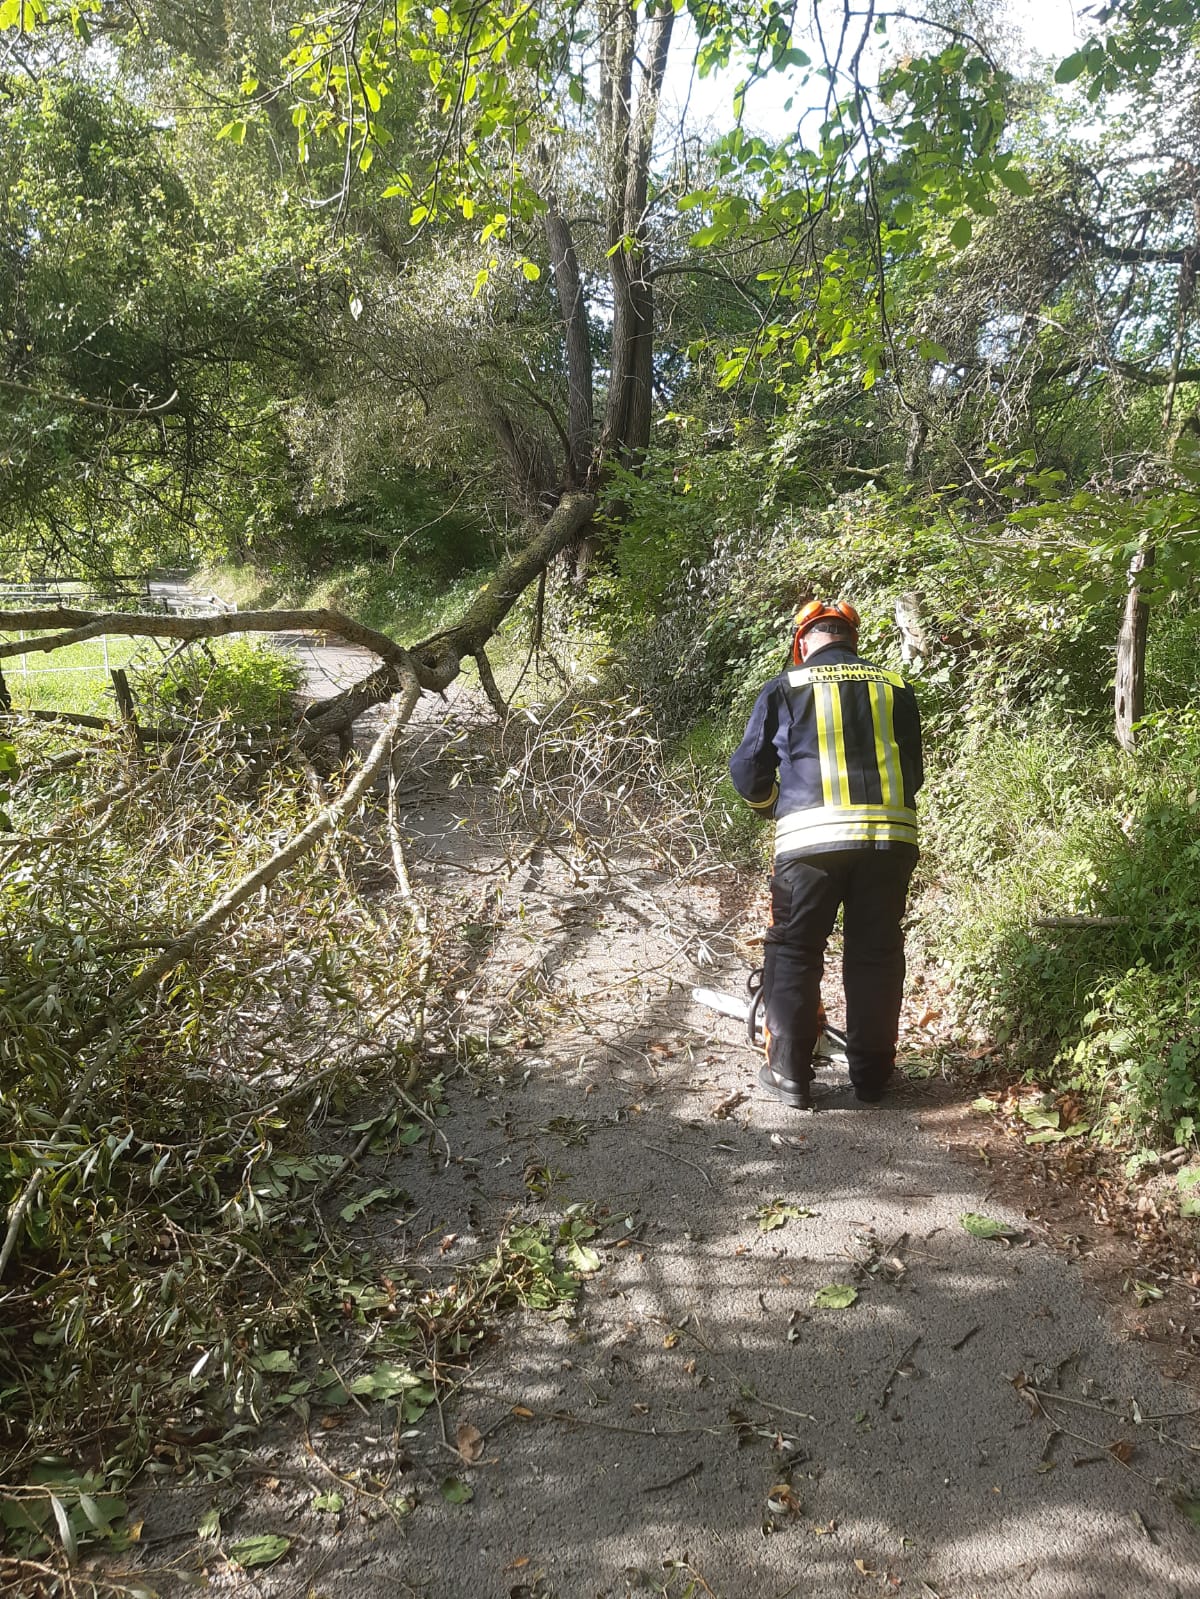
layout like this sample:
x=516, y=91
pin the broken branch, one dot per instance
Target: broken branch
x=184, y=947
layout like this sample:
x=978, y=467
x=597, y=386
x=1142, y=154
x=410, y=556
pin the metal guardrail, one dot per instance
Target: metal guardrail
x=167, y=595
x=164, y=595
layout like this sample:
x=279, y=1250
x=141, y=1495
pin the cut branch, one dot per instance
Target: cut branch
x=184, y=947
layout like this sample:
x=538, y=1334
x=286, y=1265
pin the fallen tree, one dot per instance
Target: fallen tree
x=430, y=665
x=433, y=663
x=186, y=944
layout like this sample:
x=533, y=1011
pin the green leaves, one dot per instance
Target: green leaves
x=777, y=1214
x=9, y=765
x=1074, y=66
x=275, y=1360
x=835, y=1296
x=21, y=15
x=1188, y=1182
x=1014, y=180
x=263, y=1549
x=1047, y=1124
x=457, y=1492
x=356, y=1207
x=65, y=1508
x=390, y=1379
x=987, y=1227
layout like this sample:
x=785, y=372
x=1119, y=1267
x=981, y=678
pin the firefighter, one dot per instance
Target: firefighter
x=832, y=751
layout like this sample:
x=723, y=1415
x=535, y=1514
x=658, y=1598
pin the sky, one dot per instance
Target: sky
x=1047, y=28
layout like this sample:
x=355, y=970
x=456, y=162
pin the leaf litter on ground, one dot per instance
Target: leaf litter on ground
x=264, y=1549
x=778, y=1213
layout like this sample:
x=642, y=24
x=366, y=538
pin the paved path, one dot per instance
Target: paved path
x=701, y=1427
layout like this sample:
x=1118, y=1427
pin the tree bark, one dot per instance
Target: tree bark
x=1130, y=694
x=577, y=342
x=630, y=130
x=79, y=626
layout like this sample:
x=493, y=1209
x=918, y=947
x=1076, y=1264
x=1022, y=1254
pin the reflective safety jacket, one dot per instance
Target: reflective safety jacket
x=832, y=751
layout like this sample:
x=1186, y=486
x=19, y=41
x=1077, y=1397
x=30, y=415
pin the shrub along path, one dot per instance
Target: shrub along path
x=790, y=1368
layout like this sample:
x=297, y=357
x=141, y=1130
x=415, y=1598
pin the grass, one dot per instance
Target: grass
x=73, y=679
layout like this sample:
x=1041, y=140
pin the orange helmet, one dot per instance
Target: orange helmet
x=816, y=611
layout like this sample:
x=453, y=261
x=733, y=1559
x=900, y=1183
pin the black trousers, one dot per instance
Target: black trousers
x=872, y=887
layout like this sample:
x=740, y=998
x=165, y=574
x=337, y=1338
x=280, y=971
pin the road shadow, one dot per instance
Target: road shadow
x=699, y=1423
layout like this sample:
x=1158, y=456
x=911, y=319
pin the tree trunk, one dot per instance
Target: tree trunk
x=572, y=310
x=629, y=133
x=1130, y=695
x=438, y=658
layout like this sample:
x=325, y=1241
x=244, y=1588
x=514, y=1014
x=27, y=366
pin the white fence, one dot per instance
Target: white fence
x=163, y=594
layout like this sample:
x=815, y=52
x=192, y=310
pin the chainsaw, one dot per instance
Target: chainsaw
x=831, y=1041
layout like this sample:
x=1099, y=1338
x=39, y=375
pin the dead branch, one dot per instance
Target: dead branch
x=487, y=679
x=184, y=947
x=420, y=920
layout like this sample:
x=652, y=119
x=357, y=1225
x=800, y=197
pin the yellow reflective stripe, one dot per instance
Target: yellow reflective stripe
x=823, y=700
x=765, y=804
x=882, y=699
x=842, y=776
x=816, y=814
x=807, y=676
x=849, y=824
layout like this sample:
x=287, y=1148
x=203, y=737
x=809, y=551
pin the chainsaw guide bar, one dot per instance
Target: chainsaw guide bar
x=831, y=1042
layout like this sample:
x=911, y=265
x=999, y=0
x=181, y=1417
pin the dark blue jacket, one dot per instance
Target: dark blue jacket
x=832, y=751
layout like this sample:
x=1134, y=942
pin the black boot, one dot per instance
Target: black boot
x=786, y=1074
x=870, y=1073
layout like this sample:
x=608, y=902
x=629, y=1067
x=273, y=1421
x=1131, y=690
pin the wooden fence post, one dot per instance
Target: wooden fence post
x=1129, y=699
x=125, y=703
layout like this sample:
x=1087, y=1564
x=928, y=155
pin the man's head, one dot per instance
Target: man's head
x=821, y=623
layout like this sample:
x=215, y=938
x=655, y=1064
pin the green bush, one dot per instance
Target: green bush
x=708, y=582
x=1026, y=833
x=242, y=679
